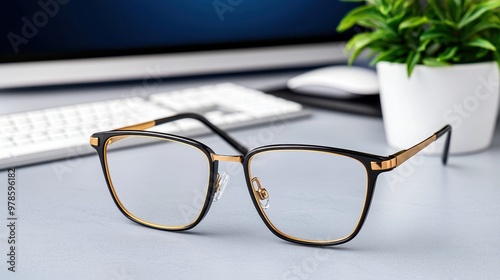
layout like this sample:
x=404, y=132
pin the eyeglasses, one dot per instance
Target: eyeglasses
x=306, y=194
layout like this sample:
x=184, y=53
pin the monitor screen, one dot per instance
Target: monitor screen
x=35, y=30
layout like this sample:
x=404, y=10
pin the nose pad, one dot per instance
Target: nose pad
x=261, y=192
x=220, y=185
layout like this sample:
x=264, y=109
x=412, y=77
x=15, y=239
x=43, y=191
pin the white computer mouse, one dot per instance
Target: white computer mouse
x=336, y=81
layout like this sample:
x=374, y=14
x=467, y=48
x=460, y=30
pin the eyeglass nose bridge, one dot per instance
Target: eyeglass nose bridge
x=222, y=181
x=216, y=157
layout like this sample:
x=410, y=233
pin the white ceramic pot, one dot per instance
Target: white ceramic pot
x=465, y=96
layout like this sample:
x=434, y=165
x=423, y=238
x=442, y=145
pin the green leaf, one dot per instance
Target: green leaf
x=396, y=20
x=451, y=24
x=434, y=62
x=437, y=35
x=412, y=22
x=397, y=6
x=389, y=55
x=361, y=41
x=454, y=10
x=481, y=53
x=384, y=9
x=366, y=12
x=482, y=43
x=475, y=11
x=457, y=10
x=357, y=40
x=375, y=24
x=423, y=45
x=437, y=9
x=456, y=59
x=432, y=49
x=411, y=61
x=448, y=54
x=480, y=26
x=449, y=9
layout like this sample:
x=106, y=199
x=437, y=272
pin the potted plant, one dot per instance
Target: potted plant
x=437, y=63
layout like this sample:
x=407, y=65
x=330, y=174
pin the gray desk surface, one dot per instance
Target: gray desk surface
x=426, y=222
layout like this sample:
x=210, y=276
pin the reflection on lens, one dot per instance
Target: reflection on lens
x=312, y=196
x=164, y=183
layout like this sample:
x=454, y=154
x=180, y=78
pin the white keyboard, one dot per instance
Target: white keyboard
x=63, y=132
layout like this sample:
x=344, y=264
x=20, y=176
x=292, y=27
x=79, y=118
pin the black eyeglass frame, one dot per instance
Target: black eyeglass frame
x=374, y=165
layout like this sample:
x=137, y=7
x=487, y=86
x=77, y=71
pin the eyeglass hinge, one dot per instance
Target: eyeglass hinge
x=94, y=141
x=385, y=165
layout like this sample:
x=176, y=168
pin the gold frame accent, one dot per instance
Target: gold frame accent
x=140, y=126
x=94, y=141
x=402, y=156
x=384, y=165
x=216, y=157
x=124, y=209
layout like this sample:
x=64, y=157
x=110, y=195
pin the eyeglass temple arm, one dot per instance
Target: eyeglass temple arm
x=142, y=126
x=400, y=157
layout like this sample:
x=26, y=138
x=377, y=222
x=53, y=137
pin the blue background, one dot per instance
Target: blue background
x=83, y=26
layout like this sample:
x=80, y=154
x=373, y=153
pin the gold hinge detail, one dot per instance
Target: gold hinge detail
x=384, y=165
x=94, y=141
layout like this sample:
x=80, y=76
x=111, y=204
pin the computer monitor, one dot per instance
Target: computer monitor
x=47, y=42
